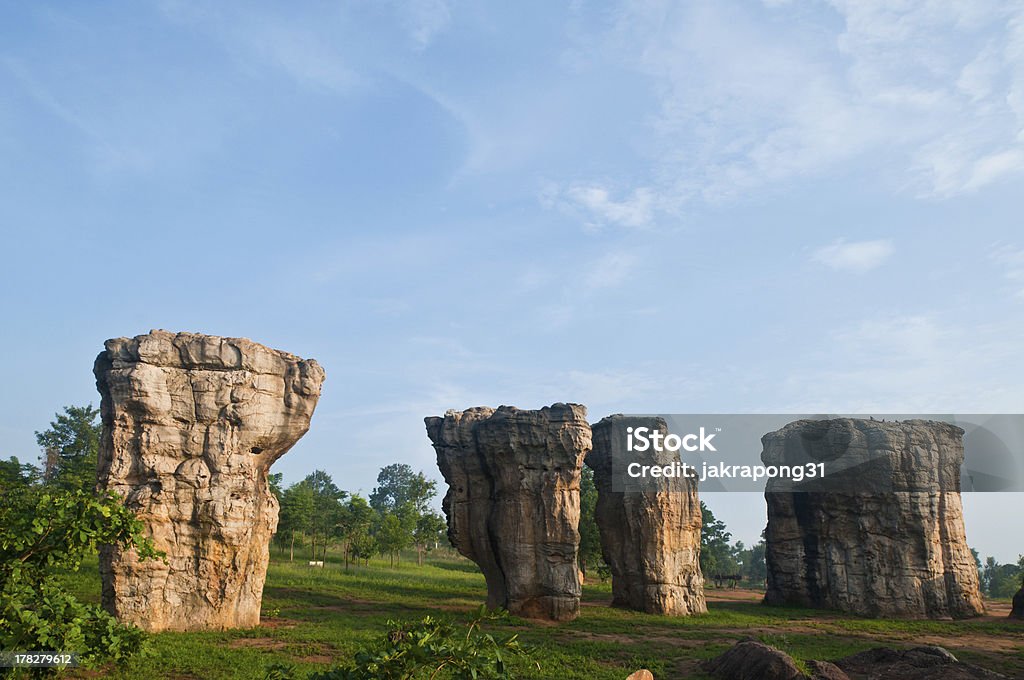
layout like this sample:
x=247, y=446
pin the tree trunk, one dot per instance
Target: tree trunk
x=291, y=551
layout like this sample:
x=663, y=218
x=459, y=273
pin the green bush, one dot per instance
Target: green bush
x=44, y=533
x=432, y=649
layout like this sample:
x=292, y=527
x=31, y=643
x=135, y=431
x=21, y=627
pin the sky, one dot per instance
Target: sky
x=645, y=207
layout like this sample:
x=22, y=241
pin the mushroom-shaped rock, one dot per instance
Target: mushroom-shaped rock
x=650, y=536
x=513, y=501
x=882, y=533
x=191, y=425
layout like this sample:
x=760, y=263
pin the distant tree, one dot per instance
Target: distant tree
x=298, y=504
x=274, y=482
x=70, y=447
x=590, y=538
x=327, y=499
x=353, y=528
x=752, y=562
x=398, y=485
x=394, y=531
x=988, y=574
x=716, y=555
x=1004, y=580
x=16, y=475
x=977, y=565
x=430, y=528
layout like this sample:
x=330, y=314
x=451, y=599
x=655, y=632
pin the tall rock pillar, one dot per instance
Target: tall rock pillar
x=882, y=534
x=650, y=537
x=513, y=501
x=191, y=425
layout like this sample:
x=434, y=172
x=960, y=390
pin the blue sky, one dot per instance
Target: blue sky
x=644, y=207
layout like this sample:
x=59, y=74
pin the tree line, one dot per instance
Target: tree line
x=718, y=557
x=316, y=516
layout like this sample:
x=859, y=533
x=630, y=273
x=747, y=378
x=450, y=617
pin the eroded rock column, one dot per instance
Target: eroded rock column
x=883, y=534
x=191, y=425
x=650, y=538
x=513, y=501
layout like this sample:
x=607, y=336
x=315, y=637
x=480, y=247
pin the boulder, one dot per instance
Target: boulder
x=883, y=533
x=917, y=663
x=753, y=660
x=650, y=537
x=513, y=501
x=191, y=426
x=1018, y=604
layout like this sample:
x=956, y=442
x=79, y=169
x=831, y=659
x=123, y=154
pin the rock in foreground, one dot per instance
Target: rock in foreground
x=882, y=537
x=753, y=660
x=650, y=537
x=191, y=425
x=513, y=502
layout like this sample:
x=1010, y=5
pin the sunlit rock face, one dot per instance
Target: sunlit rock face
x=897, y=548
x=191, y=426
x=513, y=501
x=650, y=538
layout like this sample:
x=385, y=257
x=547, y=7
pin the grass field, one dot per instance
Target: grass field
x=315, y=618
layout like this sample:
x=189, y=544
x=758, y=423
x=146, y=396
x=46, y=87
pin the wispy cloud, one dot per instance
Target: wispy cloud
x=610, y=270
x=929, y=94
x=596, y=206
x=308, y=52
x=854, y=256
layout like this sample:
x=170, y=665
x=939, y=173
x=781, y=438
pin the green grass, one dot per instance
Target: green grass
x=315, y=618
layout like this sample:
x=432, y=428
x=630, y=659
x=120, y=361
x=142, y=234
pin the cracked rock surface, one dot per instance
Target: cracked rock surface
x=513, y=501
x=898, y=548
x=650, y=538
x=191, y=426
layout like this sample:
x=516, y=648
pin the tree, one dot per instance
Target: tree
x=327, y=498
x=274, y=481
x=298, y=503
x=398, y=485
x=355, y=521
x=394, y=532
x=716, y=555
x=70, y=448
x=16, y=475
x=430, y=527
x=590, y=538
x=45, y=533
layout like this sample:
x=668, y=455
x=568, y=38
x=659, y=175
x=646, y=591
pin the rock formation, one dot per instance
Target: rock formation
x=650, y=537
x=753, y=660
x=513, y=502
x=883, y=533
x=191, y=425
x=1017, y=612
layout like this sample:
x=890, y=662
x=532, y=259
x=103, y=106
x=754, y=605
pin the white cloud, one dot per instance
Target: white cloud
x=930, y=95
x=855, y=256
x=596, y=207
x=610, y=270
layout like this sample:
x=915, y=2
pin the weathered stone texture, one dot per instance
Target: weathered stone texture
x=650, y=538
x=191, y=425
x=897, y=549
x=513, y=502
